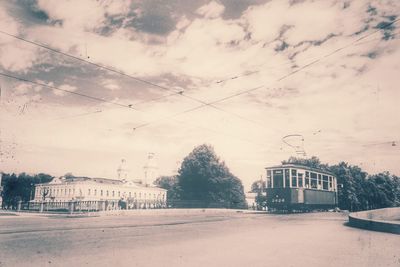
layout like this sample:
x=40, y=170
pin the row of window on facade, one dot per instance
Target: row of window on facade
x=292, y=178
x=94, y=192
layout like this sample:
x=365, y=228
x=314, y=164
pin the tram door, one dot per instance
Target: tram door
x=300, y=196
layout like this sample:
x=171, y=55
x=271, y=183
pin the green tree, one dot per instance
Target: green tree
x=205, y=179
x=258, y=186
x=170, y=183
x=20, y=187
x=312, y=162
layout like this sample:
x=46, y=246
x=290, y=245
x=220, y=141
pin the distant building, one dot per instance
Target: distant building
x=65, y=189
x=251, y=200
x=150, y=169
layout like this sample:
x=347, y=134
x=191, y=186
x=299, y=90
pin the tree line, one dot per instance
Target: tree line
x=204, y=181
x=20, y=187
x=357, y=190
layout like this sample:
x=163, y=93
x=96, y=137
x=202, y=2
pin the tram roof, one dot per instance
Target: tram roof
x=298, y=166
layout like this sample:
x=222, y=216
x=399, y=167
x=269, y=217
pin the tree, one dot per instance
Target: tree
x=312, y=162
x=20, y=187
x=205, y=179
x=258, y=186
x=170, y=183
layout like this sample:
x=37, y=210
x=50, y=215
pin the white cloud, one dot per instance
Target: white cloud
x=110, y=84
x=64, y=87
x=211, y=10
x=338, y=95
x=75, y=14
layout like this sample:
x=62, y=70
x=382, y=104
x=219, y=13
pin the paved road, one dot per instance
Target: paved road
x=197, y=239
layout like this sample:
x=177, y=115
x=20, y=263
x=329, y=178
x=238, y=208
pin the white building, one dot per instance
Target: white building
x=150, y=169
x=66, y=189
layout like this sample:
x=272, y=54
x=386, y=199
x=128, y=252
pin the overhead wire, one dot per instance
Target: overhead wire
x=123, y=74
x=67, y=91
x=279, y=79
x=192, y=109
x=114, y=103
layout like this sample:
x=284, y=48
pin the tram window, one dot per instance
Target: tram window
x=307, y=180
x=325, y=182
x=314, y=181
x=330, y=183
x=269, y=179
x=300, y=180
x=319, y=181
x=277, y=178
x=287, y=178
x=294, y=178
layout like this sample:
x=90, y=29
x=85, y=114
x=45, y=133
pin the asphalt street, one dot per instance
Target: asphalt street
x=193, y=239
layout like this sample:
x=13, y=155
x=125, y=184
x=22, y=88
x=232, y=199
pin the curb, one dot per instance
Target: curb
x=375, y=220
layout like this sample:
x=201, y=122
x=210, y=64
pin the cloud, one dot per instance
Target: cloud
x=66, y=11
x=64, y=87
x=211, y=10
x=110, y=84
x=198, y=49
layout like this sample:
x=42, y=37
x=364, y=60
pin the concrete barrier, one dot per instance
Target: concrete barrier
x=383, y=220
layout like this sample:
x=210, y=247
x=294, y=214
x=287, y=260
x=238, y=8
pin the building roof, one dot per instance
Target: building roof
x=291, y=165
x=69, y=180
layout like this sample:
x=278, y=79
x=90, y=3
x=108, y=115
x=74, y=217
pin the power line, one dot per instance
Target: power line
x=121, y=73
x=110, y=109
x=188, y=110
x=115, y=103
x=200, y=101
x=279, y=79
x=67, y=91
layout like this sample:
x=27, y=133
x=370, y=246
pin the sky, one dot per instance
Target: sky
x=85, y=84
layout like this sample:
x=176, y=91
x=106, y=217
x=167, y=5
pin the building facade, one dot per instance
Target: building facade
x=117, y=193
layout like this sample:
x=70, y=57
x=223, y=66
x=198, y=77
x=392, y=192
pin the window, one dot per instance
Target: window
x=294, y=178
x=319, y=181
x=268, y=179
x=119, y=193
x=330, y=183
x=130, y=194
x=107, y=193
x=95, y=192
x=101, y=192
x=69, y=191
x=88, y=192
x=277, y=178
x=287, y=178
x=314, y=180
x=300, y=180
x=307, y=181
x=325, y=182
x=113, y=193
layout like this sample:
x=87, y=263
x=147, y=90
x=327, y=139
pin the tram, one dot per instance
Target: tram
x=292, y=187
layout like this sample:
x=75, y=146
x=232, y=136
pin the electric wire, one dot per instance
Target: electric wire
x=279, y=79
x=124, y=74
